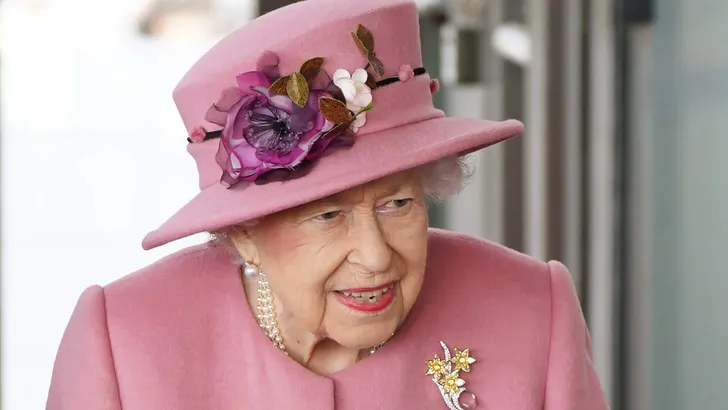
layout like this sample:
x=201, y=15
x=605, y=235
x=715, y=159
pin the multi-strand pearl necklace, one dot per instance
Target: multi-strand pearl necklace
x=266, y=313
x=266, y=310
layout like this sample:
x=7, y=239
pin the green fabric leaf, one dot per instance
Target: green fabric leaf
x=367, y=108
x=297, y=88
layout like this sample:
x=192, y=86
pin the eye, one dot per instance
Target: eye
x=399, y=203
x=327, y=216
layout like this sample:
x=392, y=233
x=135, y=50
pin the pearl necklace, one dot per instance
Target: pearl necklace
x=266, y=311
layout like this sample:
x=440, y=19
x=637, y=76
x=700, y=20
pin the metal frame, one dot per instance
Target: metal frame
x=512, y=99
x=573, y=74
x=493, y=157
x=602, y=290
x=535, y=169
x=637, y=372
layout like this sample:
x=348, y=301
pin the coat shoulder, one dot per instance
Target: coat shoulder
x=180, y=288
x=480, y=257
x=194, y=264
x=495, y=284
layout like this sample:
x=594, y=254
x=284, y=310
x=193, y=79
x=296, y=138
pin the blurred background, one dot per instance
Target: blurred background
x=621, y=173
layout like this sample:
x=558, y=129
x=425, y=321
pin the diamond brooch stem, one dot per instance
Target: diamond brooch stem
x=446, y=376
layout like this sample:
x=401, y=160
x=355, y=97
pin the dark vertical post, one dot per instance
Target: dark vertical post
x=266, y=6
x=469, y=52
x=556, y=133
x=430, y=24
x=513, y=107
x=627, y=13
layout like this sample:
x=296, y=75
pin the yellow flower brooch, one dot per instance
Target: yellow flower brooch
x=446, y=375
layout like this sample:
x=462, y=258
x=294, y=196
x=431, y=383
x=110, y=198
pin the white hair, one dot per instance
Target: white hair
x=445, y=177
x=440, y=179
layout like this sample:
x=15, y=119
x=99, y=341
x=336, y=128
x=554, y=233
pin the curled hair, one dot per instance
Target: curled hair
x=445, y=177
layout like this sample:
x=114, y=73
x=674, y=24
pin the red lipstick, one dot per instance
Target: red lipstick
x=368, y=300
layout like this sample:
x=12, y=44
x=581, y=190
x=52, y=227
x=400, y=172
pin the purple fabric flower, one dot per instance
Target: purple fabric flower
x=263, y=132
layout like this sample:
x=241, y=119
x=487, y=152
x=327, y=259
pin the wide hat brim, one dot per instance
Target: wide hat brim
x=372, y=157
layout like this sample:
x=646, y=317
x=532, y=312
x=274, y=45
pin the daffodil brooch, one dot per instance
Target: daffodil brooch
x=446, y=376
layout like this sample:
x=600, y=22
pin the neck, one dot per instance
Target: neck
x=314, y=351
x=322, y=356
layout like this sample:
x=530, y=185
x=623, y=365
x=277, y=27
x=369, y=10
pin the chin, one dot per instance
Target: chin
x=363, y=329
x=365, y=336
x=366, y=333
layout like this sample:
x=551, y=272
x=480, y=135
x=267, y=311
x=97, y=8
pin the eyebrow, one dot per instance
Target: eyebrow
x=338, y=199
x=380, y=192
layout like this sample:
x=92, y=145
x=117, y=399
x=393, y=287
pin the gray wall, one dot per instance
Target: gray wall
x=690, y=334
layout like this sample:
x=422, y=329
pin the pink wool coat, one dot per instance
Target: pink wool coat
x=179, y=335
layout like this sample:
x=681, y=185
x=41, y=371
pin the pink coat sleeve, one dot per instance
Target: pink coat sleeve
x=572, y=382
x=83, y=375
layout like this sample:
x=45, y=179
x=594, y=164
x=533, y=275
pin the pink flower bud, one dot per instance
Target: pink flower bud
x=197, y=134
x=434, y=85
x=406, y=73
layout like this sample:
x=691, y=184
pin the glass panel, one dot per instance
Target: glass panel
x=691, y=199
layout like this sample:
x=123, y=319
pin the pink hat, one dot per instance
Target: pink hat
x=308, y=101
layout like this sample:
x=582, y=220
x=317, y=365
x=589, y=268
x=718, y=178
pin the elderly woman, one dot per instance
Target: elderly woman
x=318, y=148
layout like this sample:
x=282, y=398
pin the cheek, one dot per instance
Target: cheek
x=284, y=253
x=297, y=271
x=408, y=238
x=298, y=256
x=297, y=289
x=280, y=240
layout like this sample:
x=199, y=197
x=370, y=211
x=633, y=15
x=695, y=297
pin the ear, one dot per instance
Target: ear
x=244, y=244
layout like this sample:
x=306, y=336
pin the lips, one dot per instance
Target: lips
x=367, y=299
x=365, y=295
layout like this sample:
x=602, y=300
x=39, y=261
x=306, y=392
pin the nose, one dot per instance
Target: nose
x=370, y=250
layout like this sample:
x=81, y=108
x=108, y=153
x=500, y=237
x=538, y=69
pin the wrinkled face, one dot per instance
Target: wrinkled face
x=348, y=267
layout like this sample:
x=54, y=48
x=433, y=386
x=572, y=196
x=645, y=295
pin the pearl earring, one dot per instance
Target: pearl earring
x=250, y=270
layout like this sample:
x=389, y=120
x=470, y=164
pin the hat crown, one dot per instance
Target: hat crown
x=297, y=33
